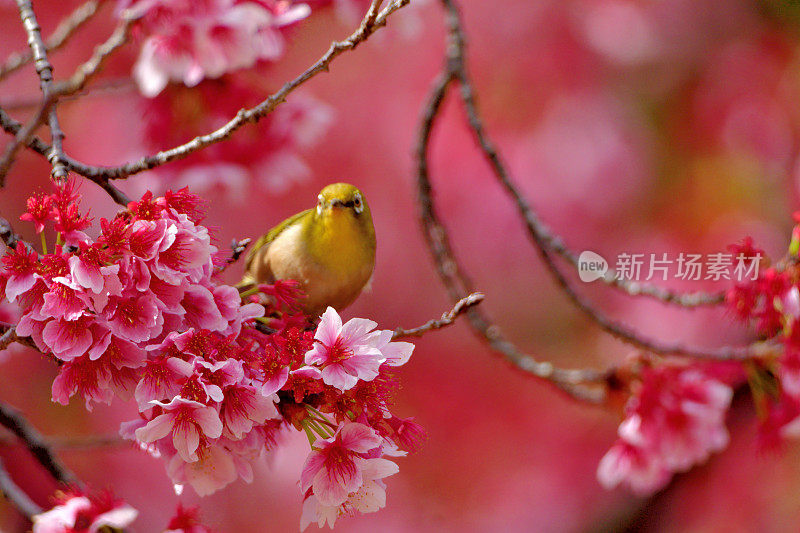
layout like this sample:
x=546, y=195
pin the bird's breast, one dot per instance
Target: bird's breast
x=333, y=263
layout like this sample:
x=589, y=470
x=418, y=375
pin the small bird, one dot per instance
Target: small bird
x=328, y=249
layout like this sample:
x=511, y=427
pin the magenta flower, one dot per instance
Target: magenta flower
x=19, y=267
x=67, y=339
x=135, y=318
x=201, y=309
x=346, y=353
x=162, y=378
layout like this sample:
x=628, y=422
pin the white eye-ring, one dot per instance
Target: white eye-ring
x=357, y=204
x=320, y=204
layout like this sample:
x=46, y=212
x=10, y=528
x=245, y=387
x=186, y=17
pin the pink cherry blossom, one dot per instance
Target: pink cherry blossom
x=78, y=513
x=187, y=421
x=337, y=467
x=213, y=469
x=243, y=407
x=674, y=421
x=189, y=41
x=67, y=339
x=345, y=352
x=640, y=468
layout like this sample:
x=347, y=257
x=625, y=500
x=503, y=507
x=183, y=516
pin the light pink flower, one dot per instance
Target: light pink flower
x=213, y=470
x=83, y=514
x=370, y=498
x=187, y=420
x=346, y=353
x=396, y=353
x=189, y=41
x=337, y=467
x=640, y=468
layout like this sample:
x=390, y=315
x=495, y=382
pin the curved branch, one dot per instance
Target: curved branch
x=587, y=385
x=540, y=236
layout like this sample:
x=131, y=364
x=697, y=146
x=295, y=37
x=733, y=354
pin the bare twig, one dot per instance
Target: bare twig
x=36, y=444
x=49, y=97
x=16, y=495
x=237, y=249
x=88, y=69
x=536, y=228
x=13, y=127
x=66, y=28
x=102, y=175
x=447, y=319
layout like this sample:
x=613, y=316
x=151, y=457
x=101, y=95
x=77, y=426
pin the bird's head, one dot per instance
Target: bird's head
x=342, y=198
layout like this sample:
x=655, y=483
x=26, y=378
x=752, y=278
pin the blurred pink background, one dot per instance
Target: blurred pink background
x=635, y=127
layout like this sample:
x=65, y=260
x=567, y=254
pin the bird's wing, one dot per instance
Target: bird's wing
x=268, y=237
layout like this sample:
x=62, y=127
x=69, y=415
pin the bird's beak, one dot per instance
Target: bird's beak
x=337, y=203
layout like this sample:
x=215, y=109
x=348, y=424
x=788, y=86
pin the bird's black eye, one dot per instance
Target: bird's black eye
x=357, y=204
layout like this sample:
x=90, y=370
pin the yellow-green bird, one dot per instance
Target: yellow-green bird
x=329, y=249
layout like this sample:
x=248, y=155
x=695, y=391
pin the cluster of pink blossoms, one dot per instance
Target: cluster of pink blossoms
x=675, y=417
x=136, y=312
x=187, y=41
x=675, y=420
x=772, y=304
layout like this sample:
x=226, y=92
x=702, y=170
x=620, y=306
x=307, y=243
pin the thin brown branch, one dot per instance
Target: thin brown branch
x=447, y=318
x=65, y=29
x=456, y=64
x=36, y=444
x=16, y=495
x=13, y=127
x=541, y=233
x=8, y=334
x=244, y=116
